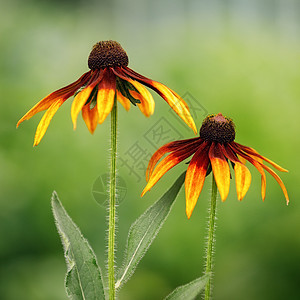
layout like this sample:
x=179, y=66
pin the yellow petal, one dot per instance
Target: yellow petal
x=195, y=177
x=147, y=104
x=40, y=106
x=82, y=97
x=90, y=117
x=242, y=180
x=278, y=179
x=45, y=121
x=242, y=174
x=173, y=99
x=63, y=93
x=255, y=163
x=255, y=155
x=106, y=95
x=242, y=160
x=176, y=103
x=123, y=100
x=171, y=147
x=166, y=164
x=220, y=170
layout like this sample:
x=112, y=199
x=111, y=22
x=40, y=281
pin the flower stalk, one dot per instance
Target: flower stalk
x=211, y=238
x=112, y=205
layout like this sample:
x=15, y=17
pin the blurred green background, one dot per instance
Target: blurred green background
x=241, y=58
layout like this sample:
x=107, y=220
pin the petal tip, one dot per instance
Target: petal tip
x=188, y=214
x=195, y=129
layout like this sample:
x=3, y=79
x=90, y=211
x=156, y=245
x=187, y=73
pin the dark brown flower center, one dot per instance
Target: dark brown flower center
x=107, y=54
x=217, y=128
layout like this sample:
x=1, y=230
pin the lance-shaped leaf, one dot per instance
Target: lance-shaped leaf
x=143, y=231
x=190, y=290
x=83, y=278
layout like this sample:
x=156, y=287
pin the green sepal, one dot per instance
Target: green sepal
x=124, y=86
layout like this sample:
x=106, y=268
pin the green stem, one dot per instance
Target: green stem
x=112, y=205
x=210, y=237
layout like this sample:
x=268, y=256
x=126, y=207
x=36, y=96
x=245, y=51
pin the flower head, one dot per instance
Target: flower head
x=95, y=91
x=213, y=150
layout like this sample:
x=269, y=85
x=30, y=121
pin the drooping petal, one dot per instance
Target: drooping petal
x=166, y=164
x=256, y=164
x=176, y=102
x=220, y=169
x=82, y=97
x=195, y=177
x=106, y=94
x=144, y=106
x=253, y=152
x=242, y=174
x=123, y=100
x=63, y=93
x=242, y=180
x=278, y=179
x=172, y=146
x=147, y=104
x=242, y=159
x=90, y=117
x=45, y=121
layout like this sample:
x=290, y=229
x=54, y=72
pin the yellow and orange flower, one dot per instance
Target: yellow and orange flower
x=212, y=151
x=109, y=78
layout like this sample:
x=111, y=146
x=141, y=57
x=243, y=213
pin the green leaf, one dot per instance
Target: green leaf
x=190, y=290
x=83, y=279
x=143, y=231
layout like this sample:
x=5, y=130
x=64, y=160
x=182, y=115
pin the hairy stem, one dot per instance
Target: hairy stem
x=211, y=238
x=112, y=205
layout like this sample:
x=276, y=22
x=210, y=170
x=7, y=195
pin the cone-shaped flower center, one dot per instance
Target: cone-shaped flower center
x=217, y=128
x=107, y=54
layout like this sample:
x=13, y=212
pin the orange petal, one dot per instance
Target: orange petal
x=172, y=146
x=147, y=104
x=45, y=121
x=242, y=174
x=63, y=93
x=242, y=180
x=195, y=177
x=106, y=95
x=242, y=160
x=253, y=152
x=90, y=117
x=123, y=100
x=220, y=170
x=256, y=164
x=166, y=164
x=278, y=179
x=175, y=101
x=82, y=97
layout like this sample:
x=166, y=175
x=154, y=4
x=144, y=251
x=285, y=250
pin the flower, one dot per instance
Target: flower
x=95, y=92
x=212, y=151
